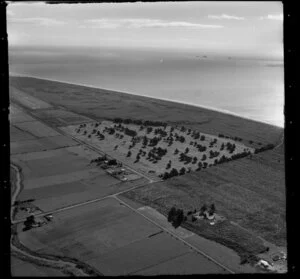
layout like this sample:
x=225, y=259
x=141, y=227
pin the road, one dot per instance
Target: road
x=174, y=235
x=115, y=196
x=54, y=263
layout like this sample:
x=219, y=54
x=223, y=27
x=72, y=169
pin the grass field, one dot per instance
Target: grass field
x=113, y=239
x=249, y=192
x=23, y=268
x=37, y=129
x=245, y=191
x=35, y=145
x=60, y=117
x=62, y=177
x=56, y=170
x=103, y=104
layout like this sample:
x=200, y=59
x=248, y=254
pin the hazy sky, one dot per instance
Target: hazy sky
x=250, y=28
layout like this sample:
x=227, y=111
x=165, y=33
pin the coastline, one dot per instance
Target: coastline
x=155, y=98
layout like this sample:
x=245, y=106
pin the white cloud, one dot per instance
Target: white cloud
x=44, y=21
x=224, y=16
x=273, y=17
x=143, y=23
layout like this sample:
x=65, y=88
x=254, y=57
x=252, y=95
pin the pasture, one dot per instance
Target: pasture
x=37, y=129
x=60, y=177
x=248, y=191
x=41, y=144
x=61, y=117
x=27, y=100
x=16, y=115
x=103, y=104
x=56, y=169
x=113, y=239
x=27, y=269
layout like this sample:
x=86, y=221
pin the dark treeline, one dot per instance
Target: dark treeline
x=140, y=122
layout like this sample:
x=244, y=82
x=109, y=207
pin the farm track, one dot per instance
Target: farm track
x=68, y=265
x=175, y=236
x=24, y=253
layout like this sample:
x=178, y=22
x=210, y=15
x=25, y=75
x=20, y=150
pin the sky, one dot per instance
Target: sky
x=246, y=28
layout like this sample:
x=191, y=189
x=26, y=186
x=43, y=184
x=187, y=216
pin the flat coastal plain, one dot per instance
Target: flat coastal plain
x=114, y=227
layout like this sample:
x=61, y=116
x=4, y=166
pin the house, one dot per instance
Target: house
x=264, y=264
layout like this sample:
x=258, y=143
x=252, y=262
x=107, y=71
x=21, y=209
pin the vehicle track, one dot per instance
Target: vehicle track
x=23, y=252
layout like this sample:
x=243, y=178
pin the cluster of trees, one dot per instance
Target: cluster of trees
x=230, y=147
x=201, y=148
x=213, y=154
x=156, y=154
x=140, y=122
x=129, y=132
x=264, y=148
x=211, y=144
x=174, y=172
x=120, y=136
x=179, y=138
x=185, y=158
x=201, y=165
x=161, y=132
x=227, y=137
x=176, y=217
x=109, y=130
x=154, y=141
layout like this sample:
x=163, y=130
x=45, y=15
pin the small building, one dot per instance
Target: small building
x=264, y=264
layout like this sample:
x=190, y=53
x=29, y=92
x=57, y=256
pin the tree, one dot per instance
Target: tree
x=203, y=209
x=180, y=216
x=173, y=172
x=128, y=154
x=203, y=157
x=165, y=176
x=171, y=214
x=182, y=171
x=176, y=151
x=212, y=209
x=186, y=150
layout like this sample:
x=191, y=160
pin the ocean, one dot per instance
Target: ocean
x=252, y=88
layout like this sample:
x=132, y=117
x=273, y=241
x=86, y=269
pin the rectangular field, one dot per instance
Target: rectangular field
x=27, y=100
x=249, y=192
x=103, y=104
x=114, y=239
x=186, y=264
x=41, y=144
x=37, y=128
x=17, y=115
x=60, y=117
x=23, y=268
x=18, y=135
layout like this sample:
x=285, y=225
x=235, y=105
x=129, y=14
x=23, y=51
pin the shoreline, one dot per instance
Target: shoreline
x=159, y=99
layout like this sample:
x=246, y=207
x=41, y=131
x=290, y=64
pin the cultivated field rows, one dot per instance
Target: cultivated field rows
x=115, y=240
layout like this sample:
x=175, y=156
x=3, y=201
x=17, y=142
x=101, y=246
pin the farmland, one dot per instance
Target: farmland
x=103, y=104
x=104, y=234
x=171, y=148
x=56, y=169
x=57, y=140
x=248, y=191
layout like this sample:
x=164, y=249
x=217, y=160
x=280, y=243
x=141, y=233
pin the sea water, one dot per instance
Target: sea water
x=250, y=87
